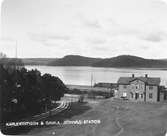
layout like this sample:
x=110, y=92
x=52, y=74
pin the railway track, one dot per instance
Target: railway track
x=63, y=106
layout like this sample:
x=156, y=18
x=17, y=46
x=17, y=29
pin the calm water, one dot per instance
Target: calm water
x=82, y=75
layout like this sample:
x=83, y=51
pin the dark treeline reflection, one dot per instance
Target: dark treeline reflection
x=25, y=93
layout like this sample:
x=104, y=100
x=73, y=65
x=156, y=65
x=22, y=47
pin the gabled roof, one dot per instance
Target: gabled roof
x=147, y=80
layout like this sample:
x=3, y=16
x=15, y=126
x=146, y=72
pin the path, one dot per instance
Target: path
x=121, y=128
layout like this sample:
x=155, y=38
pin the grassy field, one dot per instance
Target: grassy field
x=118, y=118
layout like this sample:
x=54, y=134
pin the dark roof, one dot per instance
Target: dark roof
x=147, y=80
x=101, y=84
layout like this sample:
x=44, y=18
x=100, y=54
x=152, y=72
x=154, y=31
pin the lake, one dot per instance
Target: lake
x=82, y=75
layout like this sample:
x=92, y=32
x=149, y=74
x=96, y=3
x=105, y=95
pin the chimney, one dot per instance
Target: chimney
x=133, y=75
x=146, y=75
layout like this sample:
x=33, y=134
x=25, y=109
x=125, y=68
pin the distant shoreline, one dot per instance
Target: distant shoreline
x=136, y=68
x=121, y=61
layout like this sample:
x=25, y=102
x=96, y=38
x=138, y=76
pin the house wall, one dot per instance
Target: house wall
x=122, y=89
x=162, y=96
x=154, y=91
x=138, y=88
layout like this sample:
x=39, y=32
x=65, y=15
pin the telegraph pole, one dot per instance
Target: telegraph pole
x=91, y=80
x=16, y=50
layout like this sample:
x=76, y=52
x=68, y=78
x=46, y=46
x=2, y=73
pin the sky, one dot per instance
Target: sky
x=93, y=28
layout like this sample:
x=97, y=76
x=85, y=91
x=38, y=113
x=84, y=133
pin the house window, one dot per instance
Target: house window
x=136, y=96
x=141, y=95
x=124, y=86
x=150, y=87
x=131, y=95
x=124, y=94
x=150, y=95
x=137, y=87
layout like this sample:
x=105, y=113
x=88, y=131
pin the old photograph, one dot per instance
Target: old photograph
x=83, y=67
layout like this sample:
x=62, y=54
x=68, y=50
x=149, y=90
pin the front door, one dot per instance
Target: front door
x=136, y=96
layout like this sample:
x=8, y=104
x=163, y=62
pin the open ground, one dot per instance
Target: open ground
x=118, y=118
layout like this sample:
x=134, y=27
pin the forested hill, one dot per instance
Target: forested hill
x=74, y=60
x=27, y=61
x=119, y=61
x=131, y=61
x=37, y=61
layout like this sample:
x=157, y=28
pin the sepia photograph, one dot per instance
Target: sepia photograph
x=83, y=67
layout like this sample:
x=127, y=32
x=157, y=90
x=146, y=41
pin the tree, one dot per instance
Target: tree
x=2, y=55
x=27, y=92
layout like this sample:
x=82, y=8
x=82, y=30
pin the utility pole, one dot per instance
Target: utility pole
x=91, y=80
x=16, y=50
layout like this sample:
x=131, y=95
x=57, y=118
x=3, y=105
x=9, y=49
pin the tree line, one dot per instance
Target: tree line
x=24, y=93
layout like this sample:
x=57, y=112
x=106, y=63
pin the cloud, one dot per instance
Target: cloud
x=95, y=40
x=49, y=38
x=6, y=41
x=147, y=34
x=120, y=30
x=89, y=22
x=59, y=37
x=92, y=24
x=37, y=37
x=144, y=47
x=155, y=36
x=162, y=1
x=112, y=21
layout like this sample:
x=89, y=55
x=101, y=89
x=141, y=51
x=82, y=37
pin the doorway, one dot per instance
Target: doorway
x=136, y=96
